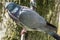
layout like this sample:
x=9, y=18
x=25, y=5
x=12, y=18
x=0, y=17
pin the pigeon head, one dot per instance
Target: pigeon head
x=12, y=8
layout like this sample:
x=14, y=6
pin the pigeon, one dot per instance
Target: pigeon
x=30, y=19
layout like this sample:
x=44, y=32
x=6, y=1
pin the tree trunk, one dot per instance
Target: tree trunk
x=57, y=7
x=58, y=31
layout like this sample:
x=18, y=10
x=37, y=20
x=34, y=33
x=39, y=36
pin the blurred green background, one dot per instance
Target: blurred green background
x=46, y=8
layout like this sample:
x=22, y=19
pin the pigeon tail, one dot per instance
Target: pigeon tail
x=51, y=27
x=56, y=36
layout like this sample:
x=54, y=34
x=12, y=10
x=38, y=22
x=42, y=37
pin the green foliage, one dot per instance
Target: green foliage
x=0, y=6
x=1, y=12
x=43, y=6
x=25, y=3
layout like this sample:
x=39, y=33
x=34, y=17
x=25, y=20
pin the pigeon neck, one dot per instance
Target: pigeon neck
x=15, y=11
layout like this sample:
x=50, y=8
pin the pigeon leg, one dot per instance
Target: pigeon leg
x=23, y=32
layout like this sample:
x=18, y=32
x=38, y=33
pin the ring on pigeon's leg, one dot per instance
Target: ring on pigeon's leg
x=23, y=32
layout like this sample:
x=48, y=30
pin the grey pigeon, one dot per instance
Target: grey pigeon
x=30, y=19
